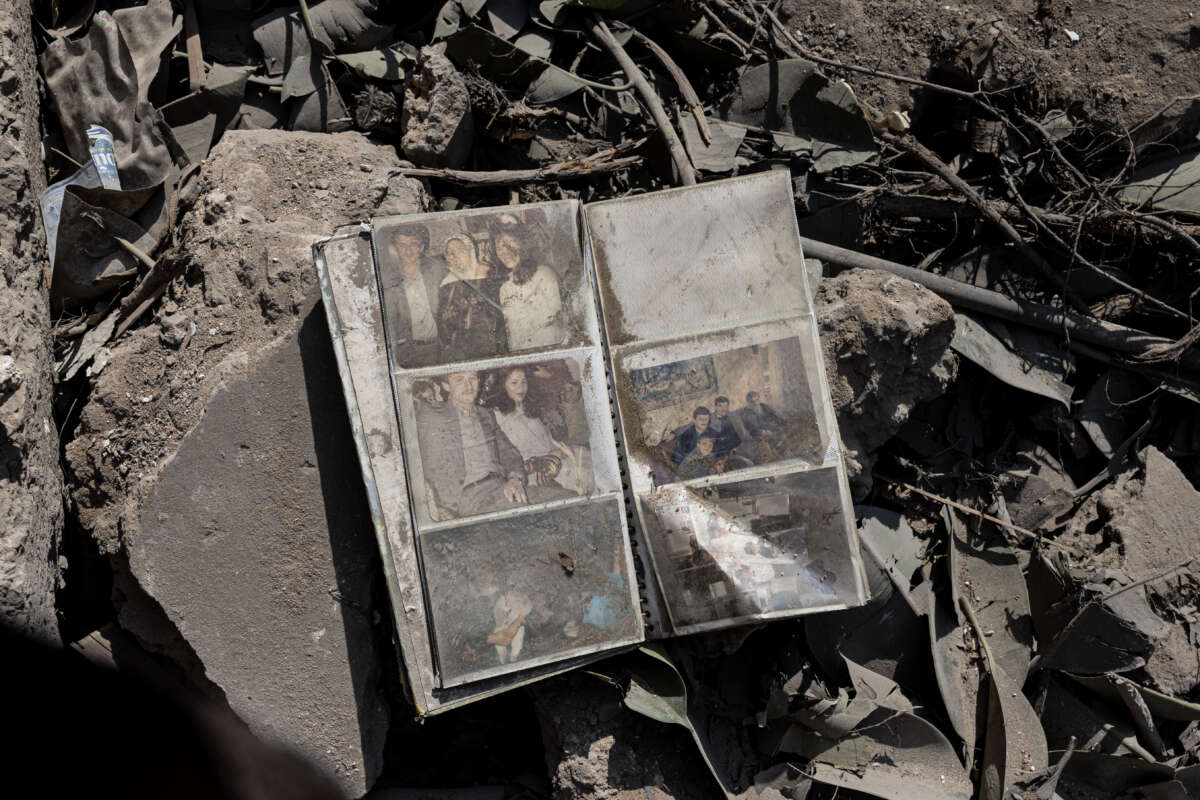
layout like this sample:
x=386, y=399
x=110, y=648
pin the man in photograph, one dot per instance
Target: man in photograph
x=470, y=466
x=411, y=296
x=762, y=425
x=724, y=427
x=686, y=437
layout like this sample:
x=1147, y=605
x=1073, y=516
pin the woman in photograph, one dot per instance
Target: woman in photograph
x=530, y=298
x=470, y=321
x=548, y=462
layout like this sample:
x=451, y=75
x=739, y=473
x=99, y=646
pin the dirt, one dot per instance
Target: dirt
x=31, y=513
x=886, y=343
x=244, y=249
x=1131, y=58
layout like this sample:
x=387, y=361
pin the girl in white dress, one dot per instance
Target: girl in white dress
x=547, y=461
x=530, y=299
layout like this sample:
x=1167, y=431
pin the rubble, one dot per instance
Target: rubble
x=438, y=129
x=1019, y=413
x=887, y=347
x=31, y=516
x=215, y=450
x=597, y=750
x=1144, y=523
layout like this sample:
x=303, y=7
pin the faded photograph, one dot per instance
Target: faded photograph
x=723, y=412
x=502, y=438
x=467, y=286
x=742, y=549
x=509, y=593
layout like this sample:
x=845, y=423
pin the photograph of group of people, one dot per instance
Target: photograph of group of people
x=470, y=286
x=525, y=589
x=747, y=548
x=723, y=412
x=501, y=438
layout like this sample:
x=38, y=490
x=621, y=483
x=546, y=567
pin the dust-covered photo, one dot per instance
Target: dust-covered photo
x=742, y=549
x=502, y=438
x=465, y=286
x=506, y=594
x=718, y=413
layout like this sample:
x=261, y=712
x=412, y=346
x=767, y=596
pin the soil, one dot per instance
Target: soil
x=1131, y=59
x=244, y=249
x=31, y=515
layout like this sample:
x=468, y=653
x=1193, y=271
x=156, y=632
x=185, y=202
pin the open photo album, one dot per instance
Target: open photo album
x=582, y=427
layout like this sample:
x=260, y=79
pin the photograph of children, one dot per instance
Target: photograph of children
x=501, y=438
x=483, y=283
x=765, y=546
x=507, y=594
x=726, y=411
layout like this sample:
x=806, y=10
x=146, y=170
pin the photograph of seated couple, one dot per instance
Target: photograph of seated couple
x=502, y=438
x=719, y=440
x=456, y=292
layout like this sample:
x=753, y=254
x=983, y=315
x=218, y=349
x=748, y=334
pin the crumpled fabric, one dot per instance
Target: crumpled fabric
x=95, y=80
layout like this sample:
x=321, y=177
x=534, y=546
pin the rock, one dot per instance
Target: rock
x=1144, y=523
x=596, y=749
x=31, y=510
x=886, y=343
x=436, y=118
x=225, y=469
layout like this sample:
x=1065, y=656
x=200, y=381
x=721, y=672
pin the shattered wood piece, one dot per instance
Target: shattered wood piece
x=681, y=80
x=195, y=50
x=579, y=168
x=686, y=173
x=1140, y=712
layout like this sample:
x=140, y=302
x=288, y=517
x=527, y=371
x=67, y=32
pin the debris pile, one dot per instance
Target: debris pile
x=1003, y=204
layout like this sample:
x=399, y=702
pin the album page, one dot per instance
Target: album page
x=738, y=486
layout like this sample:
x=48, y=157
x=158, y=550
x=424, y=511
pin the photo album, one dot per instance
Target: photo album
x=586, y=426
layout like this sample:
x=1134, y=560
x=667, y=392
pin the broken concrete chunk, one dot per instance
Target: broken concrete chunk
x=887, y=347
x=437, y=124
x=1143, y=522
x=251, y=551
x=31, y=509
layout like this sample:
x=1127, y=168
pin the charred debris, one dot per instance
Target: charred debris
x=1026, y=454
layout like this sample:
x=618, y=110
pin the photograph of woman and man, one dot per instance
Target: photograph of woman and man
x=462, y=287
x=502, y=438
x=726, y=411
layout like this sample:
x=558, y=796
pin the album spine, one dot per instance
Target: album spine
x=647, y=587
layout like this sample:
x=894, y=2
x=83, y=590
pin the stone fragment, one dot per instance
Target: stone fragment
x=1144, y=523
x=596, y=749
x=886, y=343
x=436, y=119
x=222, y=468
x=31, y=510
